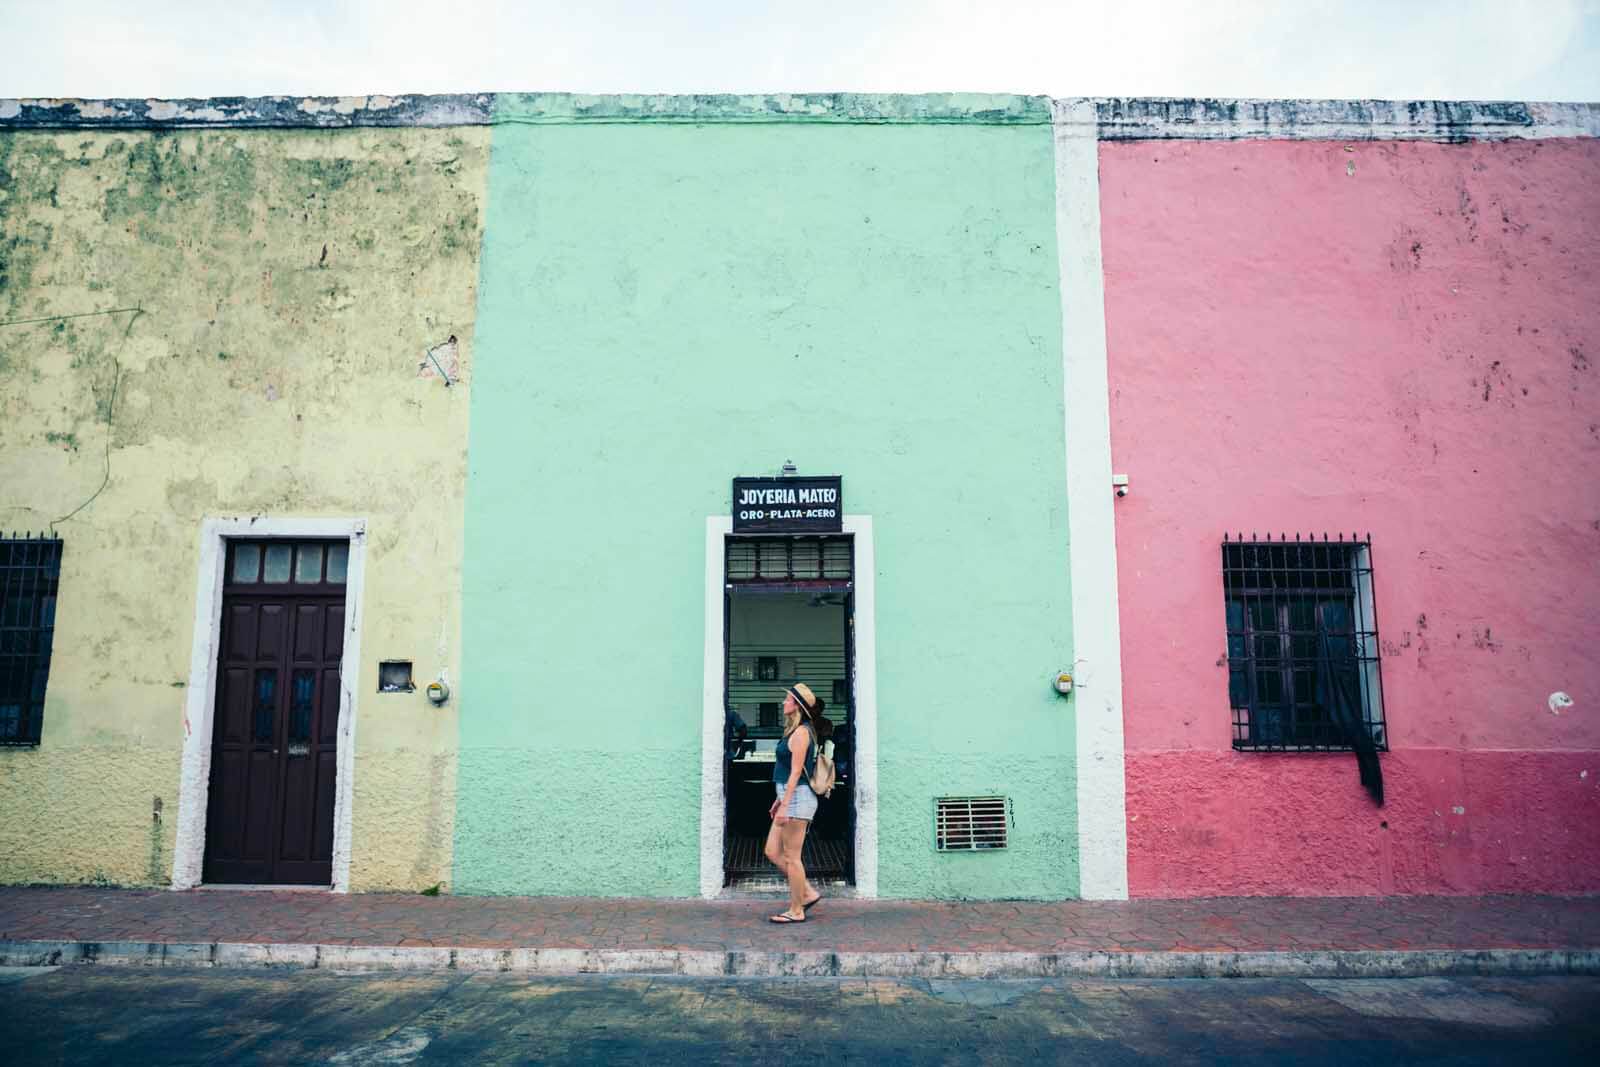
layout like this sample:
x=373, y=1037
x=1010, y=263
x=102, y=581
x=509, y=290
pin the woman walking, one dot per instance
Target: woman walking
x=804, y=727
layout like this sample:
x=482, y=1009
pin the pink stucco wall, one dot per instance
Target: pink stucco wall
x=1399, y=338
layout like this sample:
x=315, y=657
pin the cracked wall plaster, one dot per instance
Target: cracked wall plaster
x=287, y=282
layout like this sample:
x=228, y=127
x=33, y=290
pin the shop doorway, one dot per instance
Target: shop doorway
x=788, y=616
x=274, y=744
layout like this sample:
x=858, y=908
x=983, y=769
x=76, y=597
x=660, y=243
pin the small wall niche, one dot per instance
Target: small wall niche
x=394, y=676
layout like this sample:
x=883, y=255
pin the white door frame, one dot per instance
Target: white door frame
x=865, y=785
x=188, y=856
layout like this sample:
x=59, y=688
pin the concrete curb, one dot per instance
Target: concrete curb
x=1311, y=963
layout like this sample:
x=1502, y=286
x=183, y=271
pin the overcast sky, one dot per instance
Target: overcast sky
x=1404, y=49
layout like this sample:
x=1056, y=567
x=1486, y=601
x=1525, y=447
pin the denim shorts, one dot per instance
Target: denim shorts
x=804, y=804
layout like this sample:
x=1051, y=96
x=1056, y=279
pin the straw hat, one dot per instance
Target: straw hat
x=804, y=697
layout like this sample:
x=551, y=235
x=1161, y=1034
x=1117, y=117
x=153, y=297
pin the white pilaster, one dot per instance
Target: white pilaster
x=1096, y=634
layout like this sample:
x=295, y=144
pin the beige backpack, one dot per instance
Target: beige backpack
x=822, y=779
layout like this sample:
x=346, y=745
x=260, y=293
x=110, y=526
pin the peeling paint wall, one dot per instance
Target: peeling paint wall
x=267, y=306
x=288, y=286
x=1384, y=337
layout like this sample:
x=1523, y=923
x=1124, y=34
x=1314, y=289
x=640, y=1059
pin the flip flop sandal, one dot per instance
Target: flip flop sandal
x=808, y=905
x=782, y=919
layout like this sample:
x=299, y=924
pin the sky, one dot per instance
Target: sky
x=1396, y=49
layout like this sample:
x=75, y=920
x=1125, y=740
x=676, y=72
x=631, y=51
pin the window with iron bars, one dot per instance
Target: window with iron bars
x=30, y=570
x=1303, y=668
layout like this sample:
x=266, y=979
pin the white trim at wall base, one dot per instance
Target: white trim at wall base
x=195, y=777
x=865, y=787
x=1091, y=529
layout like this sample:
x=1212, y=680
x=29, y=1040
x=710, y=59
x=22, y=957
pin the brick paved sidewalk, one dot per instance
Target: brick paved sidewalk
x=1261, y=924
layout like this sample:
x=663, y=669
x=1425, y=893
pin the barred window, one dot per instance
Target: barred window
x=30, y=569
x=1303, y=669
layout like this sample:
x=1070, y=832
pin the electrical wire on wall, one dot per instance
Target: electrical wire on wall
x=133, y=314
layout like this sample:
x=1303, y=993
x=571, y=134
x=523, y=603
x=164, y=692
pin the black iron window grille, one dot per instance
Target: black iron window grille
x=30, y=572
x=789, y=559
x=1303, y=669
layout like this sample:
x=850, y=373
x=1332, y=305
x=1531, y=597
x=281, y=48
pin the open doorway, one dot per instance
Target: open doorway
x=788, y=616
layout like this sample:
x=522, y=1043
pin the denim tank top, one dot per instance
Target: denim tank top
x=781, y=764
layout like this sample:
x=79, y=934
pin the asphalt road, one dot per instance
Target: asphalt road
x=90, y=1014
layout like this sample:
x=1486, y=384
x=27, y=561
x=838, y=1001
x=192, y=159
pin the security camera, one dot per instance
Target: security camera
x=1119, y=482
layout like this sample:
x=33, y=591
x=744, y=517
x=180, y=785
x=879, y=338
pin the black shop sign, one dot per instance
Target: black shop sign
x=788, y=505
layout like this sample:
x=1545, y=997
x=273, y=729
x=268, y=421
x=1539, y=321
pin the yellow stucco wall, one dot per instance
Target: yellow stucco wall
x=289, y=284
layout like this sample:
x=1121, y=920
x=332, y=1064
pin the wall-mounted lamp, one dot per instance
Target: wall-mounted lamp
x=789, y=469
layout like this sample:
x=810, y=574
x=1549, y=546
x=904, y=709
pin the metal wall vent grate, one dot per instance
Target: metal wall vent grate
x=967, y=824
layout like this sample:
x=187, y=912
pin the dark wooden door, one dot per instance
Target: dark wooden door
x=274, y=738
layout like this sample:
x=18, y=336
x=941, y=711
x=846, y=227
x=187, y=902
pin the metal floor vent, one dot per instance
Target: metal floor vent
x=967, y=824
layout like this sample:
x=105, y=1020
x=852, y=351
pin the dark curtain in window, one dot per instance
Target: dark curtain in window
x=1339, y=690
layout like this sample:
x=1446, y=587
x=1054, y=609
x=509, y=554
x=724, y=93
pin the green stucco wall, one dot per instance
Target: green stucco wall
x=662, y=307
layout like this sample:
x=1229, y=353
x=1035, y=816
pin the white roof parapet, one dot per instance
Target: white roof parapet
x=316, y=112
x=1111, y=118
x=1154, y=118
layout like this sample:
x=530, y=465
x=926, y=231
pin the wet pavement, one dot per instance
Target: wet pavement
x=99, y=1015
